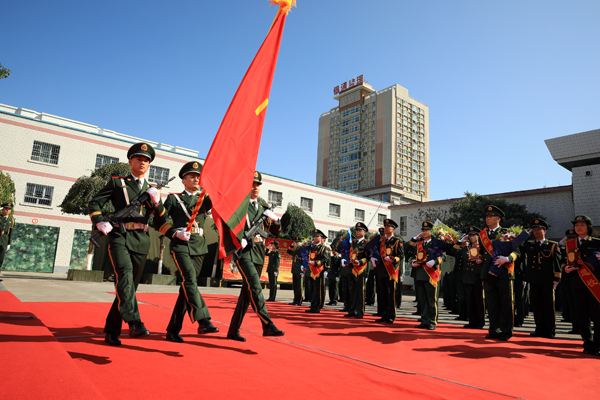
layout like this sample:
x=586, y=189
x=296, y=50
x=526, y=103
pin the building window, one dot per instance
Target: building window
x=306, y=204
x=38, y=194
x=275, y=198
x=403, y=226
x=102, y=160
x=359, y=215
x=380, y=219
x=45, y=152
x=334, y=210
x=331, y=236
x=158, y=174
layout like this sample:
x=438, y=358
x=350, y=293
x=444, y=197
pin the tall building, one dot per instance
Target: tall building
x=375, y=144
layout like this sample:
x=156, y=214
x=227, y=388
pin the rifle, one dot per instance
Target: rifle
x=251, y=233
x=130, y=211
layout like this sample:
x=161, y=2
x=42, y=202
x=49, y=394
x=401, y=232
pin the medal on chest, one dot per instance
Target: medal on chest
x=473, y=253
x=421, y=253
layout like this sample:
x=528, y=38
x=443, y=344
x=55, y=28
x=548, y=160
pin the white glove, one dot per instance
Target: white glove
x=154, y=194
x=244, y=243
x=501, y=260
x=563, y=241
x=464, y=239
x=104, y=227
x=324, y=274
x=182, y=235
x=301, y=275
x=275, y=273
x=337, y=279
x=344, y=262
x=8, y=247
x=554, y=285
x=415, y=264
x=311, y=262
x=271, y=216
x=430, y=263
x=598, y=255
x=419, y=236
x=373, y=261
x=388, y=259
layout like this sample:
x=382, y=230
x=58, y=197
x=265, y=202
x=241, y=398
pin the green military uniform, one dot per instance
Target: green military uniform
x=459, y=287
x=188, y=255
x=427, y=289
x=344, y=274
x=498, y=290
x=519, y=290
x=127, y=251
x=541, y=271
x=273, y=271
x=386, y=283
x=356, y=278
x=321, y=255
x=334, y=276
x=250, y=265
x=7, y=225
x=587, y=307
x=296, y=273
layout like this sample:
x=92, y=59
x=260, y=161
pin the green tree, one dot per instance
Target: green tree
x=7, y=189
x=296, y=223
x=4, y=72
x=86, y=187
x=470, y=212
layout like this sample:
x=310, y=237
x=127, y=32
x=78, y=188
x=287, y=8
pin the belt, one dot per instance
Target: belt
x=132, y=226
x=198, y=231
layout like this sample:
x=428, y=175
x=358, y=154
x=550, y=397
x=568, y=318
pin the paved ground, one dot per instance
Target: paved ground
x=40, y=287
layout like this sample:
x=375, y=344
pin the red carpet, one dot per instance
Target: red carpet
x=321, y=356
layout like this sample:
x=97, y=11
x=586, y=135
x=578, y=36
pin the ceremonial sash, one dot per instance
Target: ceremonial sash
x=384, y=251
x=487, y=244
x=588, y=278
x=314, y=270
x=434, y=275
x=354, y=257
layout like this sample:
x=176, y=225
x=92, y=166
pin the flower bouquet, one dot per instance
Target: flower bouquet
x=444, y=233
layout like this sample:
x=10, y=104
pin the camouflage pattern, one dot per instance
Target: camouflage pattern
x=33, y=248
x=81, y=243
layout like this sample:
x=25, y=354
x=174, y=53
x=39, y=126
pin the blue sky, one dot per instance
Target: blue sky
x=498, y=77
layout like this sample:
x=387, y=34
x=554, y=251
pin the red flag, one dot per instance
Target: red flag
x=228, y=171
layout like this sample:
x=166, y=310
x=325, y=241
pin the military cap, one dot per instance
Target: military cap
x=538, y=222
x=473, y=230
x=275, y=243
x=188, y=168
x=390, y=222
x=141, y=149
x=7, y=205
x=582, y=218
x=257, y=177
x=493, y=210
x=381, y=231
x=317, y=232
x=570, y=233
x=360, y=225
x=427, y=225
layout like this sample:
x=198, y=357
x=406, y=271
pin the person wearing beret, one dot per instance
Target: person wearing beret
x=128, y=251
x=188, y=250
x=273, y=268
x=387, y=255
x=568, y=310
x=318, y=259
x=498, y=290
x=250, y=265
x=7, y=225
x=357, y=264
x=542, y=271
x=585, y=282
x=297, y=273
x=424, y=264
x=471, y=255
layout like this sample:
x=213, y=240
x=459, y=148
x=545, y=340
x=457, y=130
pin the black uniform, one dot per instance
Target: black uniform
x=273, y=271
